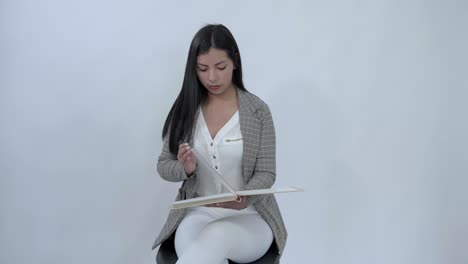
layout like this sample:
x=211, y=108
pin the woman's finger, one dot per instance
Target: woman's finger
x=185, y=156
x=229, y=205
x=183, y=148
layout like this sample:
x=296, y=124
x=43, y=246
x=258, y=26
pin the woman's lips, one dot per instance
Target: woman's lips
x=214, y=87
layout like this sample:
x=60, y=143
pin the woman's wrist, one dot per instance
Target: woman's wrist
x=190, y=174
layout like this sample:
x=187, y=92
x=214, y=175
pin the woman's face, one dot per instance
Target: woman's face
x=214, y=70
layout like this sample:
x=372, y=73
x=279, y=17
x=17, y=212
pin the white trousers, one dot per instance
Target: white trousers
x=210, y=235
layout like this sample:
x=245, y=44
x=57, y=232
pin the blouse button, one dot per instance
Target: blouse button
x=211, y=144
x=214, y=157
x=216, y=167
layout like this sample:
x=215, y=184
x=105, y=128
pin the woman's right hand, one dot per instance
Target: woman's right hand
x=186, y=157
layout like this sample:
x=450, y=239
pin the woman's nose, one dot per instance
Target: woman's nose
x=212, y=76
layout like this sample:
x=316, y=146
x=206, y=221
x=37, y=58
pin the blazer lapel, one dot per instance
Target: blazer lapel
x=250, y=127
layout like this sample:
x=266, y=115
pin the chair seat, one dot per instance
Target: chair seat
x=167, y=254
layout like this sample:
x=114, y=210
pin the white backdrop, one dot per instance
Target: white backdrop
x=368, y=99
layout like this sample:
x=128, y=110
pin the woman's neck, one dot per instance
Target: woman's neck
x=229, y=96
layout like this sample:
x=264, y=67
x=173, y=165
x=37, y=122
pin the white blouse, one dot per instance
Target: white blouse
x=223, y=153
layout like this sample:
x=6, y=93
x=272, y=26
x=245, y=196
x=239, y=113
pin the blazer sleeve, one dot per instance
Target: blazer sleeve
x=264, y=173
x=169, y=168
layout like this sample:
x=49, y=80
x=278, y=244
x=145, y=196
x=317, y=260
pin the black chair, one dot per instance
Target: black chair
x=167, y=254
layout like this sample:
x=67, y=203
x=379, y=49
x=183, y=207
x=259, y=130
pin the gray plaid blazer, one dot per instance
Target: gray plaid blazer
x=258, y=162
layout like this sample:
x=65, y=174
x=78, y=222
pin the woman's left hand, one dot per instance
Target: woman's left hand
x=235, y=205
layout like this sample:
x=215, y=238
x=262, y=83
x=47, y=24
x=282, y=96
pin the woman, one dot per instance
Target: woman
x=233, y=129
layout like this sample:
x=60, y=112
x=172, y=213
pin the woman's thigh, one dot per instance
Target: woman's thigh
x=189, y=229
x=254, y=238
x=241, y=238
x=212, y=235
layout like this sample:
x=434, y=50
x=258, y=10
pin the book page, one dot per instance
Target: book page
x=215, y=174
x=209, y=199
x=225, y=197
x=269, y=191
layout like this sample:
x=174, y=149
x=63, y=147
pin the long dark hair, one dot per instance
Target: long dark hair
x=181, y=117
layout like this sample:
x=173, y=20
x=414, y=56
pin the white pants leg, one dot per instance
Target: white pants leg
x=214, y=235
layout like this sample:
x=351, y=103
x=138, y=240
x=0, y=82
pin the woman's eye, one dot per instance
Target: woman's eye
x=204, y=70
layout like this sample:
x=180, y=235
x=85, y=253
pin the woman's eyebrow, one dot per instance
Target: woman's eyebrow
x=215, y=64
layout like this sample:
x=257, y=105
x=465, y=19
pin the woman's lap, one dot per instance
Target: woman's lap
x=214, y=235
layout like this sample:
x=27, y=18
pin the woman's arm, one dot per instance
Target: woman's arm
x=169, y=168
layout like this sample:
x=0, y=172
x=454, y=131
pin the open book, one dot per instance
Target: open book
x=232, y=195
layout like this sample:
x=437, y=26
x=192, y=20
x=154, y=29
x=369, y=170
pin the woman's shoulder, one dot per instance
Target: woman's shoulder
x=257, y=107
x=255, y=102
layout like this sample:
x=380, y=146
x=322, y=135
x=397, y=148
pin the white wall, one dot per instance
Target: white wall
x=367, y=96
